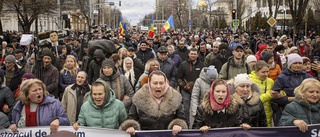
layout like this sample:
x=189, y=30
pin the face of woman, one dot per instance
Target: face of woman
x=263, y=73
x=81, y=78
x=154, y=65
x=64, y=50
x=35, y=93
x=157, y=85
x=220, y=93
x=128, y=65
x=243, y=90
x=306, y=66
x=107, y=71
x=312, y=94
x=70, y=63
x=296, y=67
x=271, y=60
x=98, y=94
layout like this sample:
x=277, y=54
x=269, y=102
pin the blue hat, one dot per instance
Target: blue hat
x=212, y=72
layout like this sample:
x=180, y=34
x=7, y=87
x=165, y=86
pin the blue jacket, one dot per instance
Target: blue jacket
x=176, y=59
x=167, y=67
x=288, y=81
x=49, y=110
x=66, y=79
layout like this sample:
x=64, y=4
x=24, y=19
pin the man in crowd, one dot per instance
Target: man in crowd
x=167, y=65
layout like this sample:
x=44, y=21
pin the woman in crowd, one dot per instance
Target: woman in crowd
x=24, y=77
x=36, y=108
x=75, y=95
x=102, y=109
x=251, y=60
x=311, y=67
x=260, y=77
x=117, y=82
x=152, y=63
x=275, y=69
x=247, y=95
x=305, y=109
x=132, y=73
x=288, y=80
x=175, y=57
x=65, y=51
x=30, y=64
x=218, y=109
x=202, y=86
x=164, y=109
x=68, y=72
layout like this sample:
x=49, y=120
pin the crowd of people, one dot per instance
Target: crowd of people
x=175, y=80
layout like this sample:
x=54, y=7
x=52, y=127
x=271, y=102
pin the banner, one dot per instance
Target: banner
x=313, y=131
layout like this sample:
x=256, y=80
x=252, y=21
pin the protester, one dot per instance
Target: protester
x=75, y=95
x=36, y=108
x=13, y=72
x=131, y=72
x=95, y=65
x=304, y=110
x=275, y=70
x=24, y=77
x=164, y=109
x=251, y=60
x=6, y=95
x=152, y=63
x=68, y=72
x=102, y=109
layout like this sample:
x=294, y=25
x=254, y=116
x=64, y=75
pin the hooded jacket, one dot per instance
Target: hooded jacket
x=200, y=88
x=110, y=115
x=207, y=117
x=153, y=116
x=95, y=66
x=125, y=87
x=265, y=96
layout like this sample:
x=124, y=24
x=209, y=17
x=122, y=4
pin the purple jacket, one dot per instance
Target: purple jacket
x=49, y=110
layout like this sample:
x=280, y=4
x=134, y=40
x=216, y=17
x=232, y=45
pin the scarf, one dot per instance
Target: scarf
x=214, y=104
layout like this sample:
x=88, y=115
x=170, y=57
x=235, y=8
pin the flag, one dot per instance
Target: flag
x=151, y=29
x=122, y=30
x=169, y=23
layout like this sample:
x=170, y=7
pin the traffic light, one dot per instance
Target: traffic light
x=68, y=25
x=234, y=11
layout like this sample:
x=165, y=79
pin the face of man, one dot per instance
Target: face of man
x=270, y=49
x=143, y=46
x=215, y=48
x=9, y=49
x=18, y=55
x=238, y=53
x=53, y=37
x=181, y=45
x=9, y=65
x=46, y=61
x=203, y=48
x=193, y=55
x=162, y=56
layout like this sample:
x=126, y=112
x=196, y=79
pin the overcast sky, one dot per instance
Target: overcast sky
x=134, y=10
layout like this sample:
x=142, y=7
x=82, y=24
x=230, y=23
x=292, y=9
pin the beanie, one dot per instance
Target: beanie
x=47, y=53
x=292, y=49
x=212, y=72
x=10, y=58
x=266, y=56
x=293, y=58
x=241, y=78
x=223, y=46
x=110, y=63
x=28, y=76
x=251, y=58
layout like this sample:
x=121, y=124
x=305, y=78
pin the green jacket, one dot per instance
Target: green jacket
x=111, y=115
x=233, y=69
x=265, y=96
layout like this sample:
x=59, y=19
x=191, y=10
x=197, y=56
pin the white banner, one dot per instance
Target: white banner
x=82, y=132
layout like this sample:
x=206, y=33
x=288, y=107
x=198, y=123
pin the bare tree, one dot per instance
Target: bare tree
x=241, y=8
x=298, y=10
x=83, y=5
x=28, y=10
x=1, y=6
x=316, y=6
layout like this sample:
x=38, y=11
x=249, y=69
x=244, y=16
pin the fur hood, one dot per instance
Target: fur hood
x=170, y=103
x=231, y=109
x=254, y=99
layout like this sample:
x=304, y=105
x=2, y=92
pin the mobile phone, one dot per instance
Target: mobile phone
x=315, y=59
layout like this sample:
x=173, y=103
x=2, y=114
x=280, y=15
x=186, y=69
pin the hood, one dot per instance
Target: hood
x=98, y=54
x=109, y=78
x=109, y=96
x=204, y=76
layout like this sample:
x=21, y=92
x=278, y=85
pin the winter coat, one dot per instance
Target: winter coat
x=234, y=69
x=66, y=79
x=300, y=109
x=200, y=88
x=16, y=79
x=145, y=55
x=207, y=117
x=4, y=121
x=6, y=97
x=183, y=53
x=275, y=72
x=49, y=110
x=265, y=96
x=208, y=59
x=125, y=87
x=154, y=116
x=218, y=62
x=202, y=55
x=28, y=67
x=111, y=115
x=50, y=78
x=251, y=110
x=288, y=81
x=176, y=59
x=69, y=102
x=95, y=66
x=168, y=68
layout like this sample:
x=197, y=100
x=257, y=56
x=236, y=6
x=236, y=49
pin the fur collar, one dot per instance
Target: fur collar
x=255, y=98
x=170, y=103
x=231, y=109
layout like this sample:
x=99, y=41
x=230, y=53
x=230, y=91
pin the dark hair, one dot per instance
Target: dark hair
x=115, y=57
x=193, y=49
x=54, y=32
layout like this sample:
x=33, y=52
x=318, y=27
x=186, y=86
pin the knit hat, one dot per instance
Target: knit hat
x=266, y=56
x=110, y=63
x=241, y=78
x=223, y=46
x=212, y=72
x=28, y=76
x=293, y=49
x=10, y=58
x=251, y=58
x=47, y=53
x=293, y=58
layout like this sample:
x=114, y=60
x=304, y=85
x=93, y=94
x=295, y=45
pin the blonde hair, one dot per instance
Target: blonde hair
x=74, y=70
x=25, y=87
x=303, y=87
x=151, y=62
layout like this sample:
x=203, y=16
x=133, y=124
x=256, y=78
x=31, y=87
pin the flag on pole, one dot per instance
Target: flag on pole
x=151, y=29
x=169, y=23
x=122, y=30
